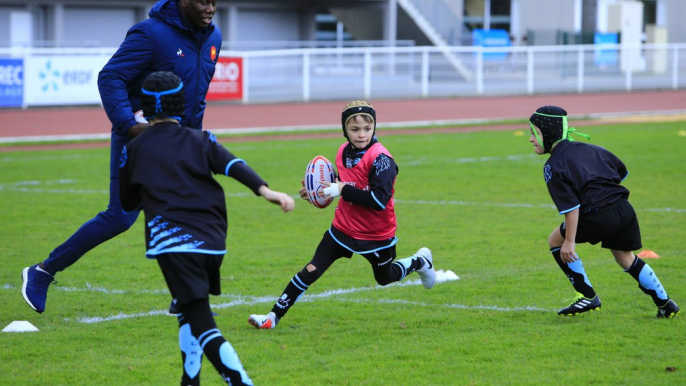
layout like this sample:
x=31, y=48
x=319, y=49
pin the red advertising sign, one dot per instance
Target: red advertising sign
x=227, y=83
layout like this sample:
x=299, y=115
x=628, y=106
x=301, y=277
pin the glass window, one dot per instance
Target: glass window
x=649, y=12
x=499, y=16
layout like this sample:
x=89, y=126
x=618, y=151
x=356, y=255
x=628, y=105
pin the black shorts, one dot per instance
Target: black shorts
x=191, y=276
x=330, y=249
x=615, y=225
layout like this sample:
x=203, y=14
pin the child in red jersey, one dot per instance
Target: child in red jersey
x=364, y=221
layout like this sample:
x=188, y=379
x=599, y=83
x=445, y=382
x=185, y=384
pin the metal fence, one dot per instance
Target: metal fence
x=293, y=75
x=424, y=72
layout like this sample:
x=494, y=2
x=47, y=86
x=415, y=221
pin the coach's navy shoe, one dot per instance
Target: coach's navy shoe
x=580, y=305
x=173, y=308
x=427, y=273
x=34, y=287
x=669, y=310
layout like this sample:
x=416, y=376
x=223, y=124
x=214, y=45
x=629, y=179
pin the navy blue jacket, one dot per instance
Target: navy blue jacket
x=164, y=42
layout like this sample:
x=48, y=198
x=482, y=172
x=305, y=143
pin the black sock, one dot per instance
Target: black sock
x=401, y=268
x=577, y=277
x=648, y=281
x=295, y=288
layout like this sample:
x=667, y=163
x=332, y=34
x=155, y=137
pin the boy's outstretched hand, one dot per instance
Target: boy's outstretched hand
x=283, y=200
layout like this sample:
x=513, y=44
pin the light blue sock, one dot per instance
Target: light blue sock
x=230, y=359
x=578, y=267
x=224, y=358
x=191, y=351
x=648, y=281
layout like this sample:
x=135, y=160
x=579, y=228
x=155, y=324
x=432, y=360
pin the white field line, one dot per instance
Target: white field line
x=473, y=160
x=21, y=158
x=442, y=277
x=32, y=187
x=327, y=127
x=513, y=205
x=447, y=305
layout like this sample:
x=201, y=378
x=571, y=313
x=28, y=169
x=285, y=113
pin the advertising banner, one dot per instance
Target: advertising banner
x=606, y=56
x=62, y=80
x=492, y=38
x=227, y=83
x=11, y=82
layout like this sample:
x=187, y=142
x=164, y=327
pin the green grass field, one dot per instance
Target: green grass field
x=478, y=200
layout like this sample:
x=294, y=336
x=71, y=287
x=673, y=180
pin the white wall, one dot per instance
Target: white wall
x=268, y=25
x=674, y=15
x=21, y=29
x=98, y=27
x=5, y=25
x=546, y=15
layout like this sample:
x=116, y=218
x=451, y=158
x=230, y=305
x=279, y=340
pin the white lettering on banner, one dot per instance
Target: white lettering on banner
x=224, y=72
x=10, y=92
x=224, y=88
x=10, y=75
x=62, y=79
x=77, y=77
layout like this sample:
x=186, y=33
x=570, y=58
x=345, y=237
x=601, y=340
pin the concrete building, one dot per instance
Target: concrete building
x=258, y=24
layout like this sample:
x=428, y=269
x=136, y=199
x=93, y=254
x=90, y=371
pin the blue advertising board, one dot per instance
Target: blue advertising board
x=606, y=56
x=492, y=38
x=11, y=82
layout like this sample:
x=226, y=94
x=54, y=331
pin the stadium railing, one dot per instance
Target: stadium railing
x=293, y=75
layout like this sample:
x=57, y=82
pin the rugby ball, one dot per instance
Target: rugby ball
x=319, y=169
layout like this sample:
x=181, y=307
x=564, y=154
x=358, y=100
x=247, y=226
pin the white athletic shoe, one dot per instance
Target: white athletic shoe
x=427, y=272
x=267, y=322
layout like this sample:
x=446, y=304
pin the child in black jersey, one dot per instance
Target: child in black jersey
x=167, y=171
x=584, y=182
x=364, y=221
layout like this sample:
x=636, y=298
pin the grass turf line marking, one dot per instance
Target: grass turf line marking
x=238, y=300
x=472, y=159
x=447, y=305
x=441, y=276
x=513, y=205
x=21, y=187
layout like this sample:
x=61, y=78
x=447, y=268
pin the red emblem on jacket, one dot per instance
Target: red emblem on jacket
x=213, y=53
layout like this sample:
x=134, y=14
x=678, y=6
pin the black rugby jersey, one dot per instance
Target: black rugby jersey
x=168, y=172
x=584, y=176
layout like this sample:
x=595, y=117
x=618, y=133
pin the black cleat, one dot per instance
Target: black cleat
x=669, y=310
x=581, y=305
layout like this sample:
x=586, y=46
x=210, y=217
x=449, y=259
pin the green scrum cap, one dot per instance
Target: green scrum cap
x=552, y=121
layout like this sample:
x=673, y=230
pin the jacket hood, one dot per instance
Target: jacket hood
x=168, y=11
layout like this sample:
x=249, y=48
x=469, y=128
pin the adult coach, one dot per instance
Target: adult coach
x=179, y=37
